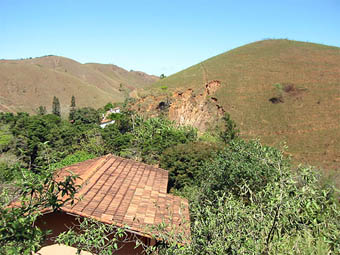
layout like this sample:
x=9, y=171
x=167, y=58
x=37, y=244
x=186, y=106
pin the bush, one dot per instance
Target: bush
x=8, y=172
x=251, y=202
x=241, y=162
x=78, y=156
x=229, y=131
x=185, y=161
x=153, y=136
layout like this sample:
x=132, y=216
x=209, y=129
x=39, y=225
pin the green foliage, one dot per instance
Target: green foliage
x=244, y=197
x=278, y=86
x=6, y=117
x=94, y=236
x=115, y=141
x=162, y=76
x=185, y=161
x=56, y=106
x=73, y=102
x=41, y=140
x=5, y=137
x=35, y=192
x=36, y=134
x=8, y=172
x=108, y=106
x=151, y=137
x=72, y=108
x=41, y=110
x=86, y=115
x=271, y=211
x=92, y=142
x=78, y=156
x=241, y=162
x=230, y=131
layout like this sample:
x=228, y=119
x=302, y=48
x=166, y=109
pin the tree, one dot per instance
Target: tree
x=72, y=108
x=41, y=110
x=230, y=130
x=56, y=106
x=86, y=115
x=108, y=106
x=162, y=76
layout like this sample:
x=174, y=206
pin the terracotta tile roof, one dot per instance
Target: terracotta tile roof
x=126, y=193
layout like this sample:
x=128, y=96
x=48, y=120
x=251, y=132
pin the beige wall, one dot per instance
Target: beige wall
x=59, y=222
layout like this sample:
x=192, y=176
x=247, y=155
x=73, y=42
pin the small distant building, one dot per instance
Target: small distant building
x=122, y=192
x=104, y=123
x=105, y=117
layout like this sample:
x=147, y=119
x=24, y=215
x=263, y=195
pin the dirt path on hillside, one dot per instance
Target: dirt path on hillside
x=205, y=74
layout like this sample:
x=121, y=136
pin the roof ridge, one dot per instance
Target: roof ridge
x=89, y=175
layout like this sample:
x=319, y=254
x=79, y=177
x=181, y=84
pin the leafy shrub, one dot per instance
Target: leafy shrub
x=229, y=132
x=34, y=193
x=270, y=211
x=108, y=106
x=185, y=161
x=241, y=162
x=78, y=156
x=97, y=237
x=8, y=172
x=5, y=137
x=153, y=136
x=276, y=222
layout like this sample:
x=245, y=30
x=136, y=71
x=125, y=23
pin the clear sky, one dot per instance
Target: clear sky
x=158, y=36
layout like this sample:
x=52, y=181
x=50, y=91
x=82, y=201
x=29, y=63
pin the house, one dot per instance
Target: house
x=122, y=192
x=106, y=122
x=105, y=117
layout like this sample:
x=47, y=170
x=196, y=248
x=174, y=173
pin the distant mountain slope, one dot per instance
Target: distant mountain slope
x=277, y=90
x=27, y=84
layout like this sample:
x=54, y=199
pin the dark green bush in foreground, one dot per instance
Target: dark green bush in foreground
x=251, y=202
x=185, y=161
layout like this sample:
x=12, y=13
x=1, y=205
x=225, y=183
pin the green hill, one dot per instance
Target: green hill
x=276, y=90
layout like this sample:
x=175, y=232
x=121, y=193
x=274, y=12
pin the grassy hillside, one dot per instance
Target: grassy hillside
x=27, y=84
x=277, y=90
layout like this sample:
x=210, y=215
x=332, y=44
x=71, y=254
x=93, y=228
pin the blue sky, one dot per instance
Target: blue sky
x=158, y=36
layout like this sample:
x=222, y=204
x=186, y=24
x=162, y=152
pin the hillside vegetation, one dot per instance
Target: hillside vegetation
x=27, y=84
x=277, y=90
x=245, y=197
